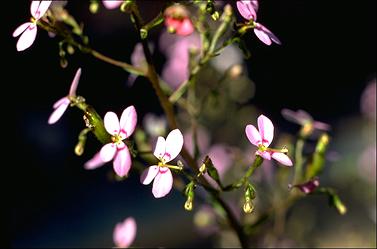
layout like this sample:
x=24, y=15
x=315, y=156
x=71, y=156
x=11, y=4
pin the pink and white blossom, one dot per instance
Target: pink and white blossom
x=119, y=130
x=62, y=104
x=165, y=151
x=111, y=4
x=125, y=232
x=248, y=10
x=263, y=138
x=29, y=29
x=177, y=20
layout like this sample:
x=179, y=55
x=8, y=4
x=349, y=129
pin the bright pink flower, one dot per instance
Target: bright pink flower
x=112, y=4
x=177, y=20
x=165, y=151
x=62, y=104
x=29, y=29
x=117, y=149
x=248, y=9
x=125, y=232
x=263, y=139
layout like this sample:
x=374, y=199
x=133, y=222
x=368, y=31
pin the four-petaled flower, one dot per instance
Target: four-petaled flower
x=119, y=130
x=177, y=20
x=263, y=139
x=248, y=10
x=29, y=29
x=165, y=151
x=125, y=232
x=62, y=104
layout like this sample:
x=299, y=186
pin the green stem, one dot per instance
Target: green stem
x=298, y=160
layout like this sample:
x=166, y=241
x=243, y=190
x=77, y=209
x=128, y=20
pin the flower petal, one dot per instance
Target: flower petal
x=59, y=110
x=21, y=29
x=128, y=121
x=271, y=35
x=111, y=123
x=39, y=8
x=262, y=36
x=282, y=158
x=75, y=82
x=253, y=135
x=95, y=162
x=107, y=152
x=122, y=162
x=185, y=28
x=265, y=154
x=163, y=183
x=111, y=4
x=248, y=9
x=27, y=38
x=159, y=150
x=174, y=144
x=149, y=174
x=125, y=232
x=266, y=130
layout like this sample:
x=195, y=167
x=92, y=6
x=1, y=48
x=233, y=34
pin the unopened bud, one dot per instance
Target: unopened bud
x=93, y=7
x=215, y=16
x=125, y=7
x=322, y=143
x=143, y=34
x=248, y=207
x=79, y=148
x=203, y=168
x=63, y=62
x=70, y=49
x=189, y=203
x=342, y=209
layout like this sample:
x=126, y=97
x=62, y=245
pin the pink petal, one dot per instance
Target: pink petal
x=111, y=123
x=21, y=28
x=266, y=130
x=248, y=9
x=59, y=111
x=60, y=102
x=282, y=158
x=265, y=154
x=271, y=35
x=321, y=126
x=163, y=183
x=185, y=28
x=39, y=8
x=159, y=150
x=149, y=174
x=128, y=121
x=75, y=82
x=107, y=152
x=253, y=135
x=122, y=162
x=174, y=144
x=27, y=38
x=262, y=36
x=124, y=233
x=94, y=163
x=111, y=4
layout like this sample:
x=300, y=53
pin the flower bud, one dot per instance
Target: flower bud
x=189, y=203
x=93, y=7
x=248, y=207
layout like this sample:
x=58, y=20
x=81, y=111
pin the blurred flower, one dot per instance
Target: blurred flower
x=368, y=101
x=229, y=57
x=303, y=118
x=177, y=20
x=29, y=29
x=165, y=151
x=205, y=220
x=177, y=50
x=154, y=125
x=263, y=139
x=125, y=232
x=248, y=10
x=111, y=4
x=62, y=104
x=119, y=131
x=138, y=60
x=202, y=140
x=306, y=187
x=367, y=164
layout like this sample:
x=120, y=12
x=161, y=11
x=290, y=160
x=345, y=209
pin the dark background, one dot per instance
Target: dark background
x=326, y=59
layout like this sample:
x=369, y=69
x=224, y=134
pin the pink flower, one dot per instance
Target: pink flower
x=95, y=162
x=263, y=139
x=29, y=29
x=112, y=4
x=303, y=118
x=165, y=151
x=125, y=232
x=248, y=10
x=306, y=187
x=62, y=104
x=177, y=20
x=119, y=131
